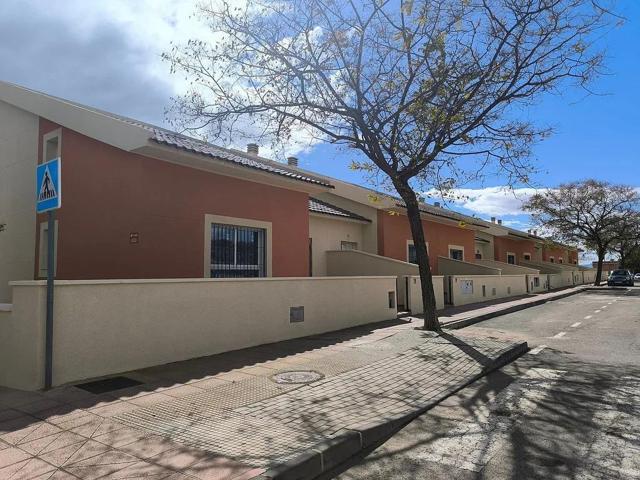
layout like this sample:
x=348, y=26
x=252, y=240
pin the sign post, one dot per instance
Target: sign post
x=49, y=199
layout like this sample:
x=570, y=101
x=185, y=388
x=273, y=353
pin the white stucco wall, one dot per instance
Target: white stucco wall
x=326, y=234
x=104, y=327
x=414, y=293
x=18, y=159
x=504, y=285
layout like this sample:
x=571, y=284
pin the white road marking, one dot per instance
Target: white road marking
x=537, y=350
x=604, y=306
x=577, y=324
x=597, y=311
x=588, y=317
x=559, y=335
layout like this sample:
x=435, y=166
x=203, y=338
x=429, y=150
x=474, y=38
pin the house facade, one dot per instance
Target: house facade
x=143, y=202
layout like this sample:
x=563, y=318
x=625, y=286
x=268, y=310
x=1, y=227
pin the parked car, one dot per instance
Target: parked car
x=637, y=277
x=620, y=277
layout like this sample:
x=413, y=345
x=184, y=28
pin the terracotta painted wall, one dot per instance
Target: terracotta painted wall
x=556, y=252
x=502, y=245
x=394, y=231
x=108, y=193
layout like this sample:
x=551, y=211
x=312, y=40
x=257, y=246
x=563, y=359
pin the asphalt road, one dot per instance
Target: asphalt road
x=569, y=409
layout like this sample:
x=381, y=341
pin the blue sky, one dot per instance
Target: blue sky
x=596, y=136
x=107, y=54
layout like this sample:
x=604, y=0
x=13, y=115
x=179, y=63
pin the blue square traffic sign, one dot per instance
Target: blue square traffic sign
x=48, y=186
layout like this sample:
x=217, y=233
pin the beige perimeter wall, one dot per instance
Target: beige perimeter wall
x=560, y=280
x=414, y=293
x=18, y=159
x=354, y=263
x=110, y=326
x=504, y=285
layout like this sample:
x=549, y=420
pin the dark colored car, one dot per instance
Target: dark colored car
x=620, y=277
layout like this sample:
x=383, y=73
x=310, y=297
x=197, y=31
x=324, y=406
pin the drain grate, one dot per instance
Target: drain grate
x=297, y=376
x=108, y=385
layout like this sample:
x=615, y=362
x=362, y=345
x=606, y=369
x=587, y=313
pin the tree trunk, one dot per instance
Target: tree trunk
x=417, y=232
x=601, y=254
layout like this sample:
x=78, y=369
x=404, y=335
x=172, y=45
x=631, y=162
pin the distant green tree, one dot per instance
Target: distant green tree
x=592, y=213
x=627, y=245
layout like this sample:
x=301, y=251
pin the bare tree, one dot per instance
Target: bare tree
x=590, y=212
x=426, y=92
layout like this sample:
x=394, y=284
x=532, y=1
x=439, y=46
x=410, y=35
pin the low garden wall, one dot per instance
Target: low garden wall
x=465, y=289
x=414, y=293
x=104, y=327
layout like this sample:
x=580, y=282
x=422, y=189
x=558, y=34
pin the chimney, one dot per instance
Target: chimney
x=292, y=161
x=436, y=204
x=493, y=219
x=499, y=221
x=253, y=148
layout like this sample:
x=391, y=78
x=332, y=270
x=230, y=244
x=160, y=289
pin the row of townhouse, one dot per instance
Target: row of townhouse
x=144, y=202
x=168, y=248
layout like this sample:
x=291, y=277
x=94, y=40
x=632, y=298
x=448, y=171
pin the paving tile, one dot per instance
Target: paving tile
x=217, y=468
x=96, y=427
x=94, y=401
x=16, y=423
x=9, y=414
x=39, y=405
x=11, y=455
x=235, y=376
x=120, y=437
x=209, y=383
x=179, y=458
x=140, y=470
x=151, y=399
x=101, y=465
x=113, y=409
x=11, y=398
x=29, y=469
x=181, y=391
x=75, y=453
x=51, y=442
x=29, y=433
x=149, y=446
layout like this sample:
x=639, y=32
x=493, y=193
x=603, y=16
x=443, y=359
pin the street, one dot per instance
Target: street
x=569, y=409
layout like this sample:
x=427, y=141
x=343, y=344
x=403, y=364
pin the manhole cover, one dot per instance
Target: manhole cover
x=298, y=376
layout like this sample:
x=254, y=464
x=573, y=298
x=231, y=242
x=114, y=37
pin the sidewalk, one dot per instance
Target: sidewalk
x=224, y=417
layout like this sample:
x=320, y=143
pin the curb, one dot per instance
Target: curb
x=331, y=454
x=465, y=322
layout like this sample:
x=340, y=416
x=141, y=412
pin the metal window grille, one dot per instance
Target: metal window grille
x=237, y=252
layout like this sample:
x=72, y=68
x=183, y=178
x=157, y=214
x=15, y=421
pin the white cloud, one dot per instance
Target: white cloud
x=491, y=201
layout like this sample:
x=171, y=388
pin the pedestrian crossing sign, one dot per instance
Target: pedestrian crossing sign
x=48, y=193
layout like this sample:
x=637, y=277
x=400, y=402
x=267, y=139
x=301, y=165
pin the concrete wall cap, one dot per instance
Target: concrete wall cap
x=62, y=283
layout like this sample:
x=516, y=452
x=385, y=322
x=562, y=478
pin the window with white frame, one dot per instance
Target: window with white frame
x=237, y=251
x=456, y=252
x=511, y=258
x=412, y=256
x=552, y=260
x=526, y=256
x=560, y=260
